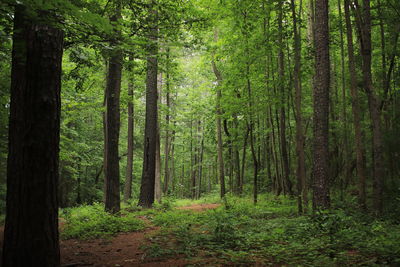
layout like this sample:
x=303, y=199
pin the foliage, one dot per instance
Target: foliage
x=87, y=222
x=272, y=233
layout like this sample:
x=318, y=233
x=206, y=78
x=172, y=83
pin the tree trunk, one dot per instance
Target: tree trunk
x=364, y=24
x=112, y=203
x=157, y=181
x=282, y=115
x=361, y=173
x=31, y=229
x=129, y=158
x=302, y=195
x=146, y=197
x=321, y=198
x=167, y=139
x=219, y=130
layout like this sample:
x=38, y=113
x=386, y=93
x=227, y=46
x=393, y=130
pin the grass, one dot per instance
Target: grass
x=240, y=233
x=88, y=222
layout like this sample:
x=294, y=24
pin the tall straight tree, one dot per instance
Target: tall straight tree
x=320, y=171
x=129, y=158
x=363, y=18
x=146, y=197
x=31, y=230
x=301, y=171
x=113, y=88
x=360, y=162
x=221, y=167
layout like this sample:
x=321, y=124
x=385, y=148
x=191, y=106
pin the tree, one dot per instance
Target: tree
x=129, y=158
x=112, y=200
x=360, y=163
x=31, y=228
x=363, y=19
x=146, y=197
x=321, y=199
x=300, y=171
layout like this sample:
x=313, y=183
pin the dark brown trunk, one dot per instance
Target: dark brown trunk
x=112, y=203
x=31, y=229
x=321, y=198
x=146, y=197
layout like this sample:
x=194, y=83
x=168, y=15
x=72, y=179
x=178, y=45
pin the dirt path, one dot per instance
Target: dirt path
x=121, y=250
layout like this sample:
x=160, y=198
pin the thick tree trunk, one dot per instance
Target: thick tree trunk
x=31, y=228
x=361, y=173
x=112, y=203
x=146, y=197
x=129, y=158
x=321, y=198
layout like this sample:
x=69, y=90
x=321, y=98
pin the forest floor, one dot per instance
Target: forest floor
x=124, y=249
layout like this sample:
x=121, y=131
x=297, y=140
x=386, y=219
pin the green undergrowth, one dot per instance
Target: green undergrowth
x=88, y=222
x=272, y=233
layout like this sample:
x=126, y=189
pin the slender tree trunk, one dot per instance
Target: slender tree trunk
x=282, y=116
x=129, y=158
x=361, y=173
x=302, y=194
x=167, y=138
x=321, y=198
x=346, y=152
x=31, y=228
x=157, y=181
x=113, y=89
x=219, y=130
x=364, y=24
x=146, y=197
x=246, y=138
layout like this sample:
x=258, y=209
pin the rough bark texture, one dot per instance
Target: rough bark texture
x=31, y=228
x=146, y=197
x=321, y=199
x=113, y=88
x=361, y=173
x=129, y=158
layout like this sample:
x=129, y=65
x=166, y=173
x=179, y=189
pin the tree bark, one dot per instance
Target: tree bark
x=302, y=194
x=146, y=197
x=321, y=198
x=282, y=115
x=129, y=158
x=221, y=172
x=167, y=138
x=31, y=235
x=360, y=163
x=112, y=203
x=363, y=18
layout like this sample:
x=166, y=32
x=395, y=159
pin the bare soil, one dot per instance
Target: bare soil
x=122, y=250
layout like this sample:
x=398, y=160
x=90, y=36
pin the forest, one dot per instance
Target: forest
x=199, y=133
